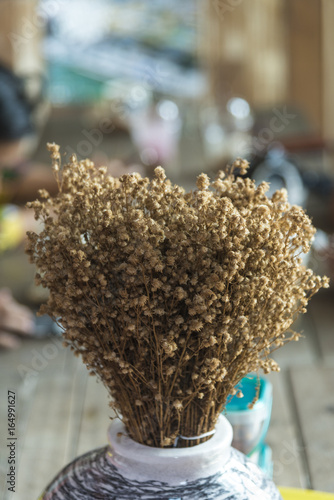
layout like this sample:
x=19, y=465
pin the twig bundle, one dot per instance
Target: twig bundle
x=171, y=297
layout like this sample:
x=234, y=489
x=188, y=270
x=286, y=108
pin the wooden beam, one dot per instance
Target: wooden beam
x=305, y=68
x=20, y=35
x=328, y=68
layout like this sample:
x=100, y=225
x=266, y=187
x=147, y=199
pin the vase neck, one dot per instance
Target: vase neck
x=174, y=464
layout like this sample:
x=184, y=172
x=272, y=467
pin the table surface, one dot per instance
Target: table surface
x=62, y=412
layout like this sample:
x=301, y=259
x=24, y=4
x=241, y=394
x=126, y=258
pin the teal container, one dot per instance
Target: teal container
x=250, y=426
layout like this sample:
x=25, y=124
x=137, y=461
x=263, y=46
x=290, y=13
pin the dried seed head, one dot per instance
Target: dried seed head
x=171, y=298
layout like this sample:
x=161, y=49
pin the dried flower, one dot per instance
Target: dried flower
x=171, y=297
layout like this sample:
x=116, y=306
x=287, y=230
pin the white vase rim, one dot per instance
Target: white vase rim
x=123, y=445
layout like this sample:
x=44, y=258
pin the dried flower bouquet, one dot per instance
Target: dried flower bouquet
x=171, y=297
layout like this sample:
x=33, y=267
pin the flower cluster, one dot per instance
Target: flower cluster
x=171, y=297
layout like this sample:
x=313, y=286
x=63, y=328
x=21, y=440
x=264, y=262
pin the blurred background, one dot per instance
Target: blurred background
x=188, y=85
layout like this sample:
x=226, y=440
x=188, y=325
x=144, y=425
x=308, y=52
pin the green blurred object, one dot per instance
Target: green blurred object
x=66, y=85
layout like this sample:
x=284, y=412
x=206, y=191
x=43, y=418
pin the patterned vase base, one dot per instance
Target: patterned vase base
x=93, y=477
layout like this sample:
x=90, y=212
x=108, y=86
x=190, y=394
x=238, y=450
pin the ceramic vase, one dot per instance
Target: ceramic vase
x=128, y=470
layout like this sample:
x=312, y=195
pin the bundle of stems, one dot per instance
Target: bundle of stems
x=171, y=297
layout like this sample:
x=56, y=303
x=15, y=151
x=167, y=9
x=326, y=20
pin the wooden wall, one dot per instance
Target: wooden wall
x=272, y=51
x=244, y=47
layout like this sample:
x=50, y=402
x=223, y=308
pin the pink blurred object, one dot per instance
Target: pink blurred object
x=156, y=132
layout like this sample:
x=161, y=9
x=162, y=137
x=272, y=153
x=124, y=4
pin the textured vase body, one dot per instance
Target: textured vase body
x=129, y=471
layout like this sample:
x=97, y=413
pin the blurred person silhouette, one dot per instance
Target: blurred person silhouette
x=22, y=115
x=17, y=136
x=20, y=181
